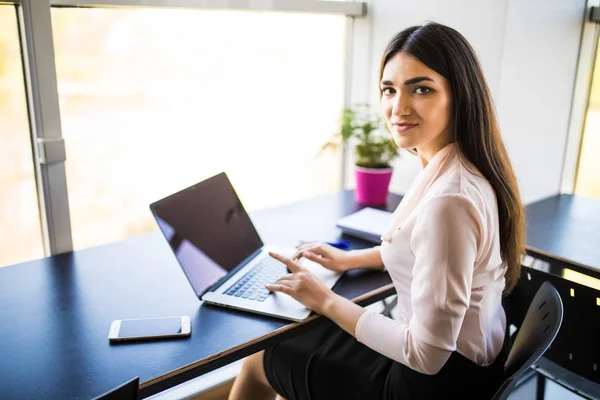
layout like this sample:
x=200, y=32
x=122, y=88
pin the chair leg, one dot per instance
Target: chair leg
x=388, y=307
x=540, y=387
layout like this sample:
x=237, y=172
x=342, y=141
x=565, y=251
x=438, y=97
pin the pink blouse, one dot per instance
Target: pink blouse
x=442, y=251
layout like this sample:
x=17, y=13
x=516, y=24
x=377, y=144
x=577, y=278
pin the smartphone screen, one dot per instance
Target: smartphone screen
x=149, y=328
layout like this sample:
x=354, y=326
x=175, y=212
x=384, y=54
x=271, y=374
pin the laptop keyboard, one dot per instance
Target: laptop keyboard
x=251, y=286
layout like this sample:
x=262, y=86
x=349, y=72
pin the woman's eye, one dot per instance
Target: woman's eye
x=422, y=90
x=387, y=90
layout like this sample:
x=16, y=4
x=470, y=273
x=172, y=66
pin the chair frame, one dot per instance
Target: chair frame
x=575, y=351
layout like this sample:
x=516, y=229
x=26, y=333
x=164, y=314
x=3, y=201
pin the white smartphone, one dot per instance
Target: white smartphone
x=149, y=328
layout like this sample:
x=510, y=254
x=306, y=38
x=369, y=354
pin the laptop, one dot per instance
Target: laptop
x=222, y=254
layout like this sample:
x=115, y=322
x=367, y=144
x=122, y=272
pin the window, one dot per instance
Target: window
x=20, y=230
x=154, y=100
x=588, y=170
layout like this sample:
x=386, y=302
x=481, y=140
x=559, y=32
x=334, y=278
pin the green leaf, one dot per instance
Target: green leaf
x=373, y=145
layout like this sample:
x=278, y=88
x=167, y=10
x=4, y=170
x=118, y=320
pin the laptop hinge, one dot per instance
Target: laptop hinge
x=232, y=272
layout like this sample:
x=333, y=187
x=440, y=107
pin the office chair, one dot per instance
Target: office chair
x=538, y=330
x=389, y=307
x=127, y=391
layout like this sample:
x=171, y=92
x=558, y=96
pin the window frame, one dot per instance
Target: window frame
x=588, y=48
x=352, y=9
x=37, y=50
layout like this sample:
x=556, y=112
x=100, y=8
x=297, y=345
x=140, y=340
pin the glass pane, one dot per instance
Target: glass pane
x=154, y=100
x=588, y=172
x=20, y=233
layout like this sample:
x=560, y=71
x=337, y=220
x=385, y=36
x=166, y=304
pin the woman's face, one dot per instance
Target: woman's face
x=416, y=104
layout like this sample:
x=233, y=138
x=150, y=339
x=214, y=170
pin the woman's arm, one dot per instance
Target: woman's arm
x=444, y=241
x=315, y=295
x=392, y=338
x=367, y=258
x=312, y=292
x=343, y=312
x=340, y=260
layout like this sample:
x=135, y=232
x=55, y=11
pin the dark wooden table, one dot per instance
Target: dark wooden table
x=56, y=311
x=566, y=227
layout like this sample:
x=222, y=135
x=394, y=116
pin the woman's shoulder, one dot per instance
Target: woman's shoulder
x=463, y=179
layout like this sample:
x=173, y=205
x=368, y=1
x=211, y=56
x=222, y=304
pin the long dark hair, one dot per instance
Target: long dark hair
x=474, y=123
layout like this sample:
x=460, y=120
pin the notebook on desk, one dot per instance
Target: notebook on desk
x=368, y=224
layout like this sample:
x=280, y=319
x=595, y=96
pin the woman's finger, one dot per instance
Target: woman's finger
x=286, y=278
x=276, y=287
x=302, y=248
x=314, y=257
x=324, y=261
x=303, y=245
x=299, y=254
x=292, y=265
x=315, y=247
x=320, y=249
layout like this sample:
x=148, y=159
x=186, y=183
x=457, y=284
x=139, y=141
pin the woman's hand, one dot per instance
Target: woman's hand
x=302, y=285
x=326, y=255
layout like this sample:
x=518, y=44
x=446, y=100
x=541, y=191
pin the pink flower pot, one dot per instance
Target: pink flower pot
x=372, y=185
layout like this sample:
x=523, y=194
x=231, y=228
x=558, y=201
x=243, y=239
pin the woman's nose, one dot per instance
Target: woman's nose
x=401, y=105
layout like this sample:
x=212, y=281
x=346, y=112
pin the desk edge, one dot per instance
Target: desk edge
x=559, y=258
x=199, y=363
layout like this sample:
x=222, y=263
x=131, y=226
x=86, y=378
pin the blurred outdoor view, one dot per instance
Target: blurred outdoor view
x=155, y=100
x=20, y=233
x=588, y=173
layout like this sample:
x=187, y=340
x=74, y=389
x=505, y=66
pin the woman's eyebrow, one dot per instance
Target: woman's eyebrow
x=418, y=79
x=410, y=81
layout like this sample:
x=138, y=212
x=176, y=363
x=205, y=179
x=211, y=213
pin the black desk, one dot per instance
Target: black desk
x=56, y=312
x=566, y=227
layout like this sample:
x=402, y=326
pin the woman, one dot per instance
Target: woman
x=453, y=246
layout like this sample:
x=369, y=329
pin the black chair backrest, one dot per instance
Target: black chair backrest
x=538, y=330
x=127, y=391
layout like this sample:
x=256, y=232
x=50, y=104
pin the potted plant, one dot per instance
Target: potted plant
x=374, y=151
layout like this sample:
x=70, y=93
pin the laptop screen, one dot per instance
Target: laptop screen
x=208, y=230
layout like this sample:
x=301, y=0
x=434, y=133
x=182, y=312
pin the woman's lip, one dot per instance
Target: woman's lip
x=404, y=127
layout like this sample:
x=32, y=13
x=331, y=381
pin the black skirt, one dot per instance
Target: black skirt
x=328, y=363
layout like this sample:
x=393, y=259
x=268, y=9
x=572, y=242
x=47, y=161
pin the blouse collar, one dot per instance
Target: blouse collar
x=422, y=182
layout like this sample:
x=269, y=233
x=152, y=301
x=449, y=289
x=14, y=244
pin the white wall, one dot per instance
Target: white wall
x=539, y=62
x=528, y=50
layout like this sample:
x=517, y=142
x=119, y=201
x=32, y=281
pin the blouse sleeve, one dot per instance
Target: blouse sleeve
x=444, y=241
